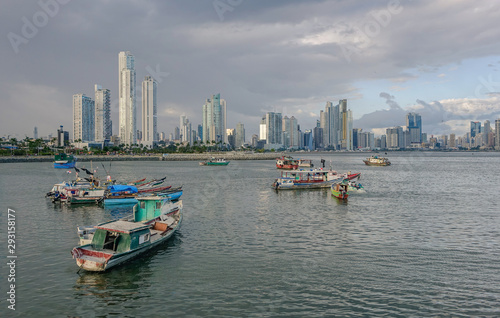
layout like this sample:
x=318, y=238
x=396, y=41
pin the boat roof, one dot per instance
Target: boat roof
x=121, y=226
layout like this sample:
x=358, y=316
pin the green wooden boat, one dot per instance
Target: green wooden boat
x=115, y=242
x=215, y=162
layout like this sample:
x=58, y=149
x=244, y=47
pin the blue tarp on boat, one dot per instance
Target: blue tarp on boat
x=122, y=188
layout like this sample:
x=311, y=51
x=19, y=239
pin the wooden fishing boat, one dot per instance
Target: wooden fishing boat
x=377, y=161
x=82, y=196
x=64, y=161
x=215, y=162
x=137, y=182
x=310, y=179
x=305, y=163
x=152, y=183
x=340, y=189
x=149, y=190
x=172, y=194
x=118, y=241
x=287, y=163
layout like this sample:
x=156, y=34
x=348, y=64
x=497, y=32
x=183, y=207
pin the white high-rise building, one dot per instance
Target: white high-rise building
x=83, y=118
x=126, y=94
x=102, y=114
x=263, y=129
x=149, y=112
x=186, y=133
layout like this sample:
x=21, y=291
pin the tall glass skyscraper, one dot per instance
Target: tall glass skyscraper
x=274, y=128
x=102, y=114
x=149, y=112
x=126, y=95
x=414, y=126
x=475, y=128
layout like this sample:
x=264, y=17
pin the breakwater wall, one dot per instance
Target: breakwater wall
x=155, y=157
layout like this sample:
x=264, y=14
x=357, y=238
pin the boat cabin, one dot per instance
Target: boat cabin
x=148, y=208
x=120, y=236
x=308, y=175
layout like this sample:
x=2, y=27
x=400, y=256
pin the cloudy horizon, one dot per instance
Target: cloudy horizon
x=438, y=58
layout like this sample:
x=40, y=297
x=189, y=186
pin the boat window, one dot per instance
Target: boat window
x=143, y=205
x=143, y=238
x=111, y=241
x=158, y=205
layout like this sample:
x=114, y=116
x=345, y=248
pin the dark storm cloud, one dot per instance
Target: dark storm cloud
x=259, y=55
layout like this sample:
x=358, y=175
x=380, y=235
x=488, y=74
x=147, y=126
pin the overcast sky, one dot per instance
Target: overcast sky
x=438, y=58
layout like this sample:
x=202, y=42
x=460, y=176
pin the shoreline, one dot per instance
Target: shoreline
x=205, y=156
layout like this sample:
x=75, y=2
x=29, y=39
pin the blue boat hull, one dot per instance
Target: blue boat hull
x=67, y=165
x=128, y=201
x=174, y=196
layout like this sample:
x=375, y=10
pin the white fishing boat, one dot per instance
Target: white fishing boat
x=310, y=179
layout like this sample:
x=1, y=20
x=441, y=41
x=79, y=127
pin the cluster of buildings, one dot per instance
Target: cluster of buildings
x=92, y=124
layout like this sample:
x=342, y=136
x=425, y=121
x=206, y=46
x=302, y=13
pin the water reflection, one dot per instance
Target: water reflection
x=129, y=281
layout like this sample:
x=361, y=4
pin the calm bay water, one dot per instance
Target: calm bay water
x=424, y=240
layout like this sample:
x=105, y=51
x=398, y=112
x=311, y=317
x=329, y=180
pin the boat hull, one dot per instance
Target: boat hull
x=369, y=163
x=340, y=195
x=66, y=165
x=298, y=186
x=124, y=201
x=214, y=163
x=287, y=166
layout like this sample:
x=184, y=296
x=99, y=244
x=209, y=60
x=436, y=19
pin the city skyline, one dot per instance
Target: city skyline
x=287, y=57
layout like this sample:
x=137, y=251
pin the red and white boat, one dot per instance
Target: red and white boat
x=311, y=179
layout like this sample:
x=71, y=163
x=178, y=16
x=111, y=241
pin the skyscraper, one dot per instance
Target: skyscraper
x=185, y=130
x=345, y=128
x=35, y=133
x=83, y=118
x=263, y=129
x=102, y=114
x=214, y=120
x=330, y=122
x=126, y=95
x=274, y=128
x=414, y=126
x=149, y=112
x=240, y=135
x=475, y=128
x=497, y=134
x=486, y=132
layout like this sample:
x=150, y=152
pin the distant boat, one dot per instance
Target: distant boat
x=64, y=161
x=215, y=162
x=354, y=186
x=377, y=161
x=137, y=182
x=287, y=163
x=118, y=241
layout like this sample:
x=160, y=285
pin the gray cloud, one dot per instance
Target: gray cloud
x=263, y=54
